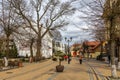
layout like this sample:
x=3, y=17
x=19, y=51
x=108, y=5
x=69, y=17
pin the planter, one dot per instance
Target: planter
x=59, y=68
x=20, y=64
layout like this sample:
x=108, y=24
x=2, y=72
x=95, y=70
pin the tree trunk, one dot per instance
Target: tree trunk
x=59, y=62
x=119, y=57
x=7, y=47
x=113, y=66
x=38, y=53
x=101, y=47
x=112, y=47
x=88, y=54
x=31, y=50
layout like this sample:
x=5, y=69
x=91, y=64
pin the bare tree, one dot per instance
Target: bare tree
x=92, y=12
x=40, y=14
x=8, y=22
x=93, y=15
x=111, y=22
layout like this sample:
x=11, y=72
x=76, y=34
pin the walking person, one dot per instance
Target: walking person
x=69, y=59
x=65, y=57
x=80, y=59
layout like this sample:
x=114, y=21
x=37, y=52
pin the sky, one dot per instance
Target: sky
x=75, y=28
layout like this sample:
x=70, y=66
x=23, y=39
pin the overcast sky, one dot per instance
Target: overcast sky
x=75, y=28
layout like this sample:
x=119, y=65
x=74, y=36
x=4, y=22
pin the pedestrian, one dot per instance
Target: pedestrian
x=65, y=57
x=69, y=59
x=80, y=59
x=109, y=58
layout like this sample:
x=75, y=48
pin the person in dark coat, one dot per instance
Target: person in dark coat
x=80, y=59
x=69, y=59
x=109, y=58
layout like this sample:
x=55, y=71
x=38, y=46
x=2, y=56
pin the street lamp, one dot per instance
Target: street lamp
x=68, y=40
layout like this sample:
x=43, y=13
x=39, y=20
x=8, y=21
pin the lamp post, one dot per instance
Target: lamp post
x=68, y=40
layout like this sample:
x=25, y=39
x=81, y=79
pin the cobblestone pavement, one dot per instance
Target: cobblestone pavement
x=89, y=70
x=102, y=69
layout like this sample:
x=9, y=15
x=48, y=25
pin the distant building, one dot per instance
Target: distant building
x=93, y=48
x=76, y=49
x=59, y=46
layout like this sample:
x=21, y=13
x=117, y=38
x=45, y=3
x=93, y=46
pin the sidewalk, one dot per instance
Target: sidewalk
x=103, y=67
x=31, y=69
x=72, y=71
x=23, y=64
x=46, y=71
x=76, y=71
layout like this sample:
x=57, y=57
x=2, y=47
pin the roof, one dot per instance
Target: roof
x=76, y=45
x=93, y=44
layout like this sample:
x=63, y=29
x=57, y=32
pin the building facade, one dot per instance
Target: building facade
x=24, y=47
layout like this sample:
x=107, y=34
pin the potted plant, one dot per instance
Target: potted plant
x=59, y=56
x=20, y=64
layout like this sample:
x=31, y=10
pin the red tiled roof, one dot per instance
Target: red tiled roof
x=94, y=44
x=74, y=45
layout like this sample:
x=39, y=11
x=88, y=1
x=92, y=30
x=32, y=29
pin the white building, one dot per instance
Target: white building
x=23, y=42
x=59, y=46
x=24, y=49
x=47, y=44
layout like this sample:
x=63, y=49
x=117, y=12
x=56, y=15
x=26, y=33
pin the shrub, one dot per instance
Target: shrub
x=54, y=59
x=59, y=55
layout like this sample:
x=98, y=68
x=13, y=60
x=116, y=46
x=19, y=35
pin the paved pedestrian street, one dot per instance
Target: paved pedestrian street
x=89, y=70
